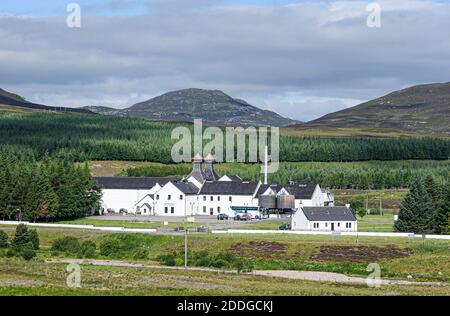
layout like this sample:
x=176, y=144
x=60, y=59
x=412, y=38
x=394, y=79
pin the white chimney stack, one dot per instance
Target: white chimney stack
x=266, y=161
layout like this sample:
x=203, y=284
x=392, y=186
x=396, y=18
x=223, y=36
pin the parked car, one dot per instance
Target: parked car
x=222, y=217
x=242, y=217
x=285, y=226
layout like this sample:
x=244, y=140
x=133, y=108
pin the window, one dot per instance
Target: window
x=326, y=224
x=339, y=224
x=181, y=196
x=169, y=197
x=349, y=225
x=166, y=210
x=211, y=211
x=218, y=198
x=212, y=198
x=172, y=210
x=157, y=196
x=204, y=198
x=230, y=199
x=218, y=209
x=204, y=209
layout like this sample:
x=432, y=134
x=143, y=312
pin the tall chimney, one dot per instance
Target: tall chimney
x=266, y=158
x=210, y=173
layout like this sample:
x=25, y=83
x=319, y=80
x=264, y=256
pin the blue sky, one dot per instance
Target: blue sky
x=114, y=7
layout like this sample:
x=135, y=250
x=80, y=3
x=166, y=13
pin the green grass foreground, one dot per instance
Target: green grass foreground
x=43, y=279
x=426, y=262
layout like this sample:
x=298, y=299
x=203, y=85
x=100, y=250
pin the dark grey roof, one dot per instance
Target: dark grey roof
x=210, y=173
x=328, y=213
x=186, y=187
x=198, y=173
x=130, y=182
x=229, y=188
x=301, y=191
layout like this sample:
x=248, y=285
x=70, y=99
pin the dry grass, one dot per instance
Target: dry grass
x=39, y=278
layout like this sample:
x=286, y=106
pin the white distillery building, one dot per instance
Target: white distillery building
x=202, y=192
x=327, y=218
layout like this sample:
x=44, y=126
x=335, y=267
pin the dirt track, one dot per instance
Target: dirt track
x=293, y=275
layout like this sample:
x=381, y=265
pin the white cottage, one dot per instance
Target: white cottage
x=331, y=218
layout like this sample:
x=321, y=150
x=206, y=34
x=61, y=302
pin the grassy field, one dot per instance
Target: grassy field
x=376, y=223
x=123, y=223
x=39, y=278
x=369, y=223
x=390, y=198
x=423, y=262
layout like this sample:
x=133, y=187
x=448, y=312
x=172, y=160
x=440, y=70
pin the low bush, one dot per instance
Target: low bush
x=3, y=239
x=222, y=260
x=67, y=244
x=140, y=254
x=134, y=246
x=28, y=254
x=87, y=249
x=25, y=238
x=168, y=259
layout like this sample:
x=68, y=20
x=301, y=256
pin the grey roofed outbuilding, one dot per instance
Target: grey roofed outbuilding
x=328, y=213
x=300, y=191
x=229, y=188
x=186, y=187
x=130, y=183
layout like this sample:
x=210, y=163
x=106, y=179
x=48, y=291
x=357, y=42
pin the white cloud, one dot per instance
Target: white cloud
x=302, y=60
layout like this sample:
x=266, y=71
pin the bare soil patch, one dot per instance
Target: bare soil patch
x=358, y=254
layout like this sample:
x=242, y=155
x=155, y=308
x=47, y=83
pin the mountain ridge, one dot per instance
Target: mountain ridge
x=11, y=99
x=212, y=106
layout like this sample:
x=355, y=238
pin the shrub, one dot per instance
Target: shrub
x=10, y=253
x=87, y=249
x=168, y=259
x=34, y=239
x=3, y=239
x=24, y=238
x=140, y=254
x=109, y=247
x=179, y=262
x=28, y=254
x=127, y=245
x=66, y=244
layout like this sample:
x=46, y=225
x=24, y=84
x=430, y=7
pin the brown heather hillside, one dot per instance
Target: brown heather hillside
x=423, y=108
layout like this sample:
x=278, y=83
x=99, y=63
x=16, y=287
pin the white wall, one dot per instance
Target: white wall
x=339, y=226
x=117, y=199
x=300, y=222
x=223, y=202
x=317, y=199
x=175, y=206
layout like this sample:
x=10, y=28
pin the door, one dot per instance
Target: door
x=332, y=226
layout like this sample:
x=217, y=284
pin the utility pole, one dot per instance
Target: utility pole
x=185, y=246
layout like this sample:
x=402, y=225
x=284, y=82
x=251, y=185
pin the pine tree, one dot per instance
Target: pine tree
x=416, y=210
x=442, y=214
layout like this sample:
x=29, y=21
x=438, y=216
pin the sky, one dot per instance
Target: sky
x=300, y=58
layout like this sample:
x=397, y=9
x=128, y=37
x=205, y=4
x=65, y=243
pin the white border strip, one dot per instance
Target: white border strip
x=90, y=227
x=303, y=232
